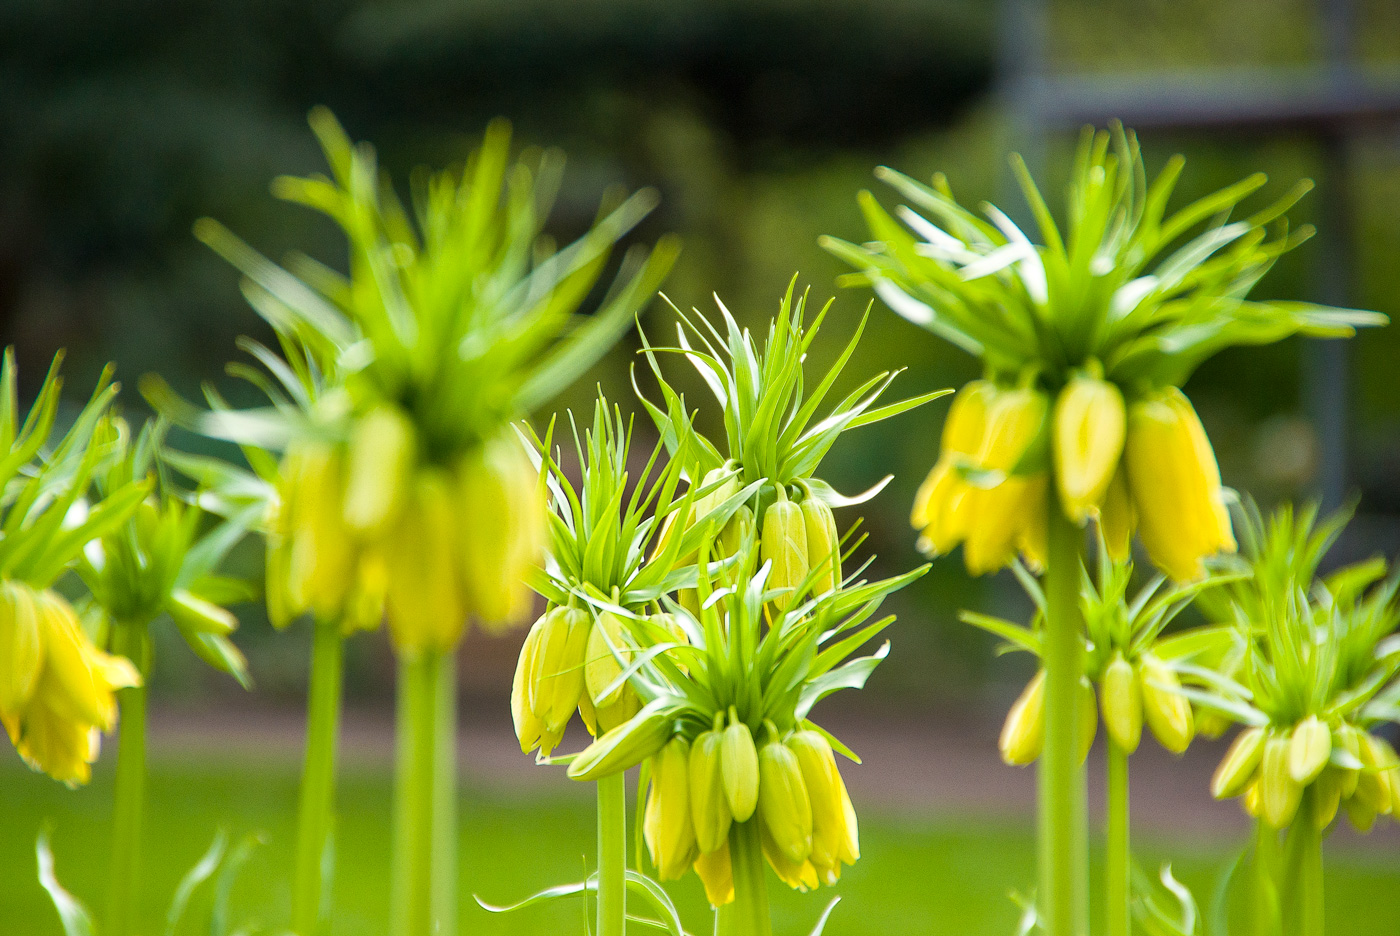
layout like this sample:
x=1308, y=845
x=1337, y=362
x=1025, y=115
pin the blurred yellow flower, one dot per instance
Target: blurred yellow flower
x=56, y=687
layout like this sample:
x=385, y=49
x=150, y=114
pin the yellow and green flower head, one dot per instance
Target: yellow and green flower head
x=1104, y=321
x=724, y=726
x=1133, y=673
x=774, y=442
x=1310, y=672
x=56, y=685
x=399, y=485
x=614, y=551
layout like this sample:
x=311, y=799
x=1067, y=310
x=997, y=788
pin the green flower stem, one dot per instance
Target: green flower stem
x=747, y=913
x=1265, y=891
x=1302, y=881
x=131, y=640
x=425, y=834
x=1064, y=863
x=612, y=855
x=316, y=811
x=1118, y=862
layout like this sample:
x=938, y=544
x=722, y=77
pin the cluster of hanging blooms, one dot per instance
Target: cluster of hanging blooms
x=1128, y=661
x=1309, y=670
x=56, y=686
x=1086, y=340
x=694, y=632
x=402, y=489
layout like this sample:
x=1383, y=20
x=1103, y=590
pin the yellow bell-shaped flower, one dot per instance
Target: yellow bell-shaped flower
x=1175, y=485
x=937, y=513
x=1089, y=428
x=667, y=825
x=56, y=725
x=425, y=603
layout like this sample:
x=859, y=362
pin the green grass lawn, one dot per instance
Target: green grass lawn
x=918, y=875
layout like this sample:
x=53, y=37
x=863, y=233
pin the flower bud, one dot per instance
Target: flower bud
x=319, y=565
x=737, y=531
x=558, y=666
x=667, y=827
x=1327, y=796
x=783, y=803
x=1121, y=698
x=1167, y=712
x=1239, y=765
x=608, y=717
x=709, y=806
x=1175, y=485
x=382, y=453
x=501, y=529
x=609, y=633
x=1251, y=794
x=711, y=501
x=424, y=600
x=824, y=788
x=1279, y=793
x=823, y=545
x=784, y=544
x=625, y=746
x=21, y=648
x=528, y=726
x=1373, y=786
x=1090, y=423
x=1361, y=815
x=1024, y=731
x=1348, y=739
x=1309, y=749
x=1116, y=518
x=717, y=874
x=850, y=843
x=739, y=768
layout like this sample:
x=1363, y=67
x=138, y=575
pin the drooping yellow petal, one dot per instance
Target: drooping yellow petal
x=1089, y=427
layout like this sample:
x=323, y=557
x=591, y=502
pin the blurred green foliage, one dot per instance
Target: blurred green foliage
x=757, y=120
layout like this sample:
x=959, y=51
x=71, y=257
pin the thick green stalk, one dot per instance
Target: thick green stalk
x=1064, y=835
x=747, y=914
x=612, y=855
x=1302, y=881
x=1265, y=892
x=316, y=810
x=131, y=640
x=424, y=798
x=1117, y=858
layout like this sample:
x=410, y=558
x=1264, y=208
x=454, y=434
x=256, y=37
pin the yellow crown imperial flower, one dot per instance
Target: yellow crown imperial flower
x=1236, y=771
x=1007, y=516
x=613, y=701
x=1089, y=427
x=1309, y=750
x=1347, y=738
x=425, y=604
x=784, y=544
x=529, y=728
x=830, y=804
x=1167, y=712
x=320, y=556
x=1175, y=485
x=1375, y=787
x=501, y=529
x=739, y=769
x=823, y=544
x=558, y=666
x=1121, y=700
x=1023, y=734
x=1279, y=793
x=1327, y=797
x=55, y=724
x=709, y=805
x=382, y=453
x=938, y=514
x=799, y=875
x=784, y=805
x=667, y=825
x=1117, y=517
